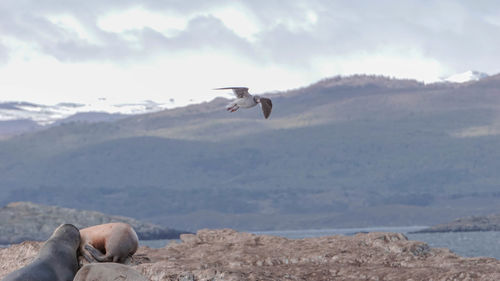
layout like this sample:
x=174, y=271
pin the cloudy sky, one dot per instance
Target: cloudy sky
x=126, y=51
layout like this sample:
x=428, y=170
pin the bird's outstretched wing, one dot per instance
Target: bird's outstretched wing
x=240, y=92
x=267, y=105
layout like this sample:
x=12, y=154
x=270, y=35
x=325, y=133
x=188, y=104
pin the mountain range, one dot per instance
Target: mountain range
x=343, y=152
x=18, y=117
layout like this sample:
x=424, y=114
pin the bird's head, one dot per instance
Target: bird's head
x=256, y=98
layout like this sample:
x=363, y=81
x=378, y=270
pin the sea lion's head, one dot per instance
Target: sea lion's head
x=68, y=233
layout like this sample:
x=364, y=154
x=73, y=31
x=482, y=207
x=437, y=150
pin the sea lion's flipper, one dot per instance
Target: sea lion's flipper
x=86, y=255
x=97, y=255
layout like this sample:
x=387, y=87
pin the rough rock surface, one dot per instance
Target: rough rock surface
x=108, y=272
x=22, y=221
x=17, y=256
x=472, y=223
x=230, y=255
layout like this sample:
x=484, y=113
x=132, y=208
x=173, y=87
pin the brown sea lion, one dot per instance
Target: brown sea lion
x=110, y=242
x=56, y=261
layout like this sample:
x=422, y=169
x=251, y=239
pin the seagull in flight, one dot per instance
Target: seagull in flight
x=246, y=100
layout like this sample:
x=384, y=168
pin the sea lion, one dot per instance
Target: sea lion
x=108, y=272
x=56, y=261
x=110, y=242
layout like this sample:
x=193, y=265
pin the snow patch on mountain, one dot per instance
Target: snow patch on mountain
x=48, y=114
x=467, y=76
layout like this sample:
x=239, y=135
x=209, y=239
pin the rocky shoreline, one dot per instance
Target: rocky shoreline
x=227, y=255
x=26, y=221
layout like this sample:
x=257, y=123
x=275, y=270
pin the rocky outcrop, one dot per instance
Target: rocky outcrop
x=472, y=223
x=226, y=255
x=22, y=221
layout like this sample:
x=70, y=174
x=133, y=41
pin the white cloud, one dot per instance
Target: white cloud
x=238, y=19
x=138, y=18
x=72, y=25
x=187, y=78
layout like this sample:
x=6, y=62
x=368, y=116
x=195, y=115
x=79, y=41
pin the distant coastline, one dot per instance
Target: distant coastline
x=26, y=221
x=466, y=224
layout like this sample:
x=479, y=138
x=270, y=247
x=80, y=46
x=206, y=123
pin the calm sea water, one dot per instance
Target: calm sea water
x=467, y=244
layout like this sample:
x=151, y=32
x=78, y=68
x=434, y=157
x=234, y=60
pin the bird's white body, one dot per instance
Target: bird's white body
x=246, y=102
